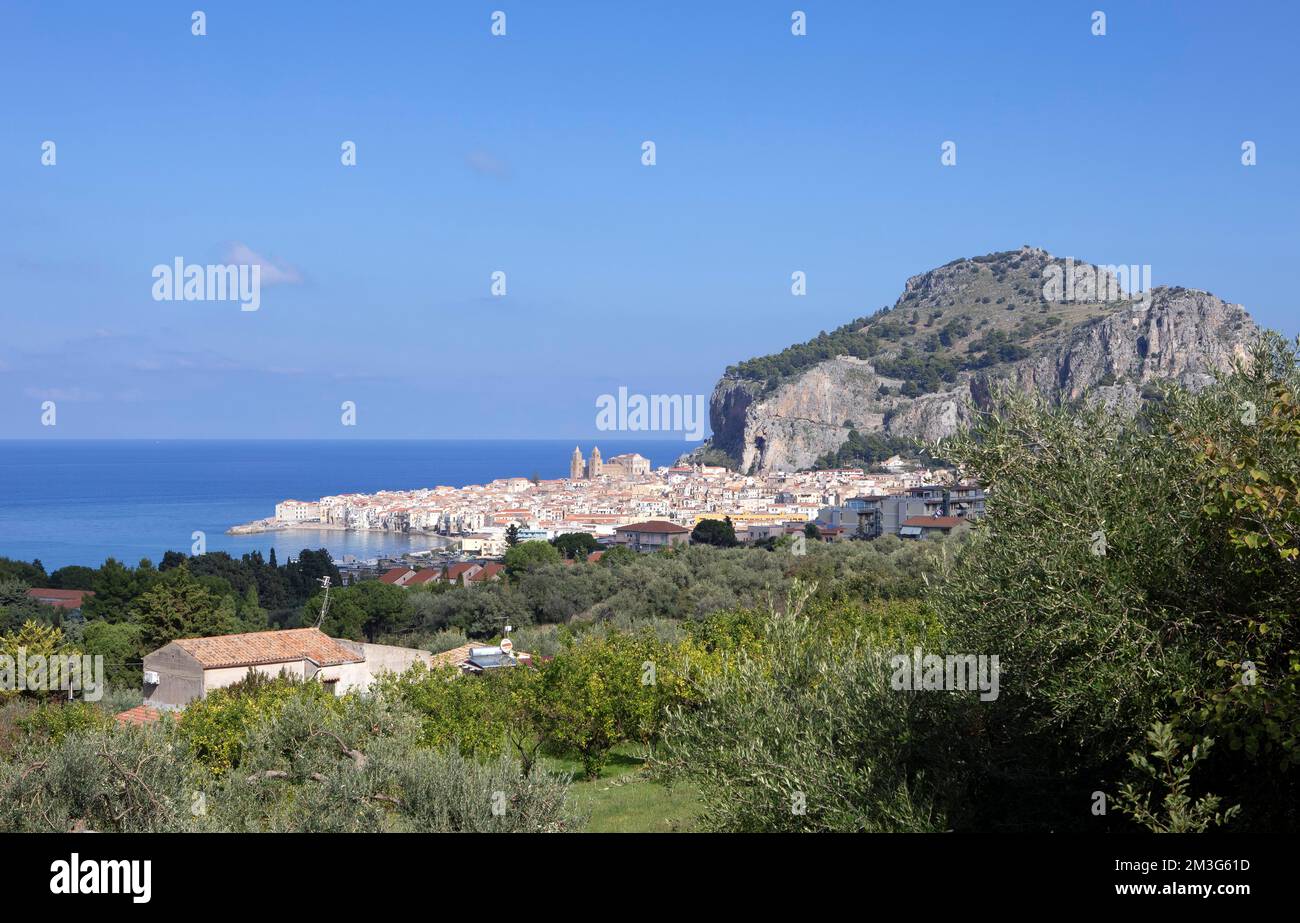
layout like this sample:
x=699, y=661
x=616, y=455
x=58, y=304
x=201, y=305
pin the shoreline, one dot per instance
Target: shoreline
x=271, y=524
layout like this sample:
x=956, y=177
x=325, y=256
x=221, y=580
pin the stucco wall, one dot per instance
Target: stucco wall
x=180, y=678
x=382, y=658
x=227, y=676
x=350, y=676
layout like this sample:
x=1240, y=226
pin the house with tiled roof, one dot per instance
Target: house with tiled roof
x=397, y=576
x=425, y=575
x=189, y=668
x=487, y=573
x=652, y=535
x=64, y=599
x=460, y=572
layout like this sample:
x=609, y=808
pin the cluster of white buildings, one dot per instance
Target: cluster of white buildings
x=479, y=515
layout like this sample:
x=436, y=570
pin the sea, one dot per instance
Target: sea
x=80, y=502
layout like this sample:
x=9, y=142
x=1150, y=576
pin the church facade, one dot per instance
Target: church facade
x=630, y=465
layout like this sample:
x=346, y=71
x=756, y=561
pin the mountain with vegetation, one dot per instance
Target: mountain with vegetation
x=913, y=373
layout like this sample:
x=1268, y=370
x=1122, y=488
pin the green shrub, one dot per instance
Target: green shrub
x=802, y=732
x=216, y=727
x=1117, y=577
x=106, y=779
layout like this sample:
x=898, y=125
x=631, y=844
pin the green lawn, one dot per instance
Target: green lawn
x=623, y=800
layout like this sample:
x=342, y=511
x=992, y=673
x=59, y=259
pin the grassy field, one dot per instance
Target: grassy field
x=623, y=800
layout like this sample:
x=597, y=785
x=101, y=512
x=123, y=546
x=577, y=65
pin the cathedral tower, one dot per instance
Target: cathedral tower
x=594, y=467
x=575, y=464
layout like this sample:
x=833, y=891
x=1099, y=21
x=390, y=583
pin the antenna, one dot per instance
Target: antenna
x=325, y=582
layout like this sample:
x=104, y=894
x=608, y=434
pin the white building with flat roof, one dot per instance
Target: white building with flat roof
x=297, y=511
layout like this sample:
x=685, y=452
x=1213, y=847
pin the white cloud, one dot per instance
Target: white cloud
x=273, y=273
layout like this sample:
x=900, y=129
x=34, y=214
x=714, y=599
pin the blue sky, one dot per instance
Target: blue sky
x=522, y=153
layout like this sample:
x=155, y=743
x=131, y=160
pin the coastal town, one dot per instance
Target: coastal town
x=937, y=465
x=623, y=500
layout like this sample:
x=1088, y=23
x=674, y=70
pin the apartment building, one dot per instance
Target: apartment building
x=652, y=535
x=297, y=511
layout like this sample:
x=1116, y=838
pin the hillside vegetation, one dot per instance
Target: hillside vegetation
x=966, y=315
x=1064, y=330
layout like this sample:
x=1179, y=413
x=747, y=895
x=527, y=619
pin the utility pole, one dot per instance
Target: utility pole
x=325, y=582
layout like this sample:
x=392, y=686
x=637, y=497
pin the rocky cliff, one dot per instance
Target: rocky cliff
x=1063, y=329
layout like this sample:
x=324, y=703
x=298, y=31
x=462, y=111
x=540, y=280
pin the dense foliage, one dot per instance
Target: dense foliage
x=718, y=532
x=135, y=610
x=272, y=756
x=848, y=340
x=866, y=451
x=802, y=732
x=1133, y=571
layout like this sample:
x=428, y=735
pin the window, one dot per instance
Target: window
x=331, y=686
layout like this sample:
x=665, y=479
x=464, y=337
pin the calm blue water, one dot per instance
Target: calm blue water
x=79, y=502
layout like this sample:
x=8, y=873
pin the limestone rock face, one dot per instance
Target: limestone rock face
x=1184, y=335
x=810, y=416
x=953, y=335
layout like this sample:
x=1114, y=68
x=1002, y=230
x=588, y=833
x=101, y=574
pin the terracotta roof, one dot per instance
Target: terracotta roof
x=141, y=714
x=654, y=525
x=595, y=556
x=934, y=522
x=487, y=572
x=395, y=574
x=65, y=599
x=454, y=571
x=425, y=575
x=261, y=647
